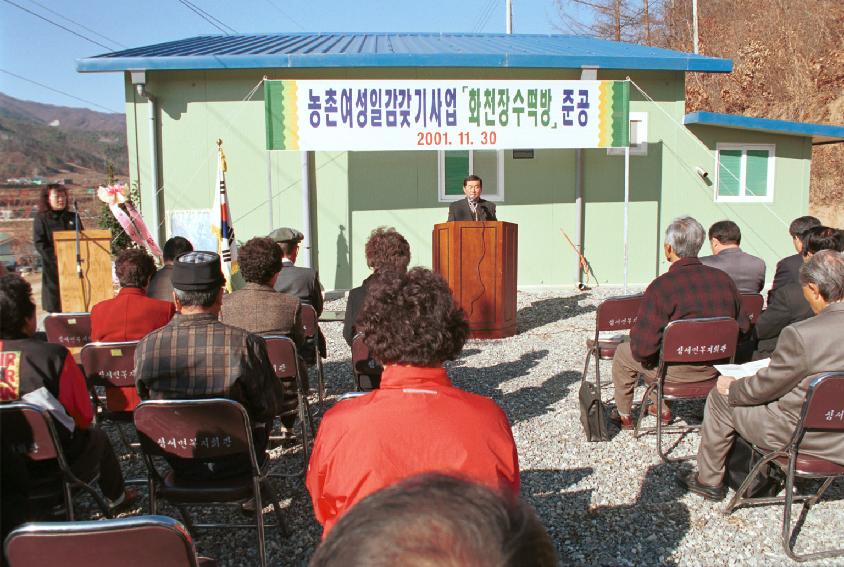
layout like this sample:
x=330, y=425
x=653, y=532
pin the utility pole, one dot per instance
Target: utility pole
x=694, y=24
x=509, y=15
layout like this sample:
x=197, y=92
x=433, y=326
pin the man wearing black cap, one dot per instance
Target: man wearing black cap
x=197, y=356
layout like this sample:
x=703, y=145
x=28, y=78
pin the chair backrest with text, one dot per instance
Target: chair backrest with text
x=194, y=429
x=125, y=542
x=751, y=305
x=112, y=366
x=702, y=340
x=824, y=405
x=618, y=313
x=282, y=354
x=310, y=321
x=68, y=329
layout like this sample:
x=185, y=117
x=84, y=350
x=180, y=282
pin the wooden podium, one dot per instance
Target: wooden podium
x=478, y=260
x=80, y=294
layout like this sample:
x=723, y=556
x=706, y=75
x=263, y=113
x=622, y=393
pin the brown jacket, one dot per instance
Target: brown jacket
x=261, y=310
x=767, y=405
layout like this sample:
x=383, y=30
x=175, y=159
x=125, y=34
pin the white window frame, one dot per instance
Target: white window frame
x=742, y=197
x=639, y=146
x=488, y=193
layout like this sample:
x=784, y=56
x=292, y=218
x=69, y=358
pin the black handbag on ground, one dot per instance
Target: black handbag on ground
x=592, y=414
x=742, y=458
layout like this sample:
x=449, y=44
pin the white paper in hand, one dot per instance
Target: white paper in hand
x=742, y=370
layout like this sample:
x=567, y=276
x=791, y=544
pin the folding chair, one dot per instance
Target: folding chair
x=822, y=410
x=751, y=304
x=615, y=315
x=31, y=433
x=126, y=542
x=285, y=361
x=204, y=429
x=367, y=370
x=71, y=330
x=686, y=341
x=310, y=322
x=111, y=366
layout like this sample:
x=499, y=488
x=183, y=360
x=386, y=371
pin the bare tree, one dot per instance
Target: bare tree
x=621, y=20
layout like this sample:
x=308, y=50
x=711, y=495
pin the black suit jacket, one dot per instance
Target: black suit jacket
x=788, y=270
x=302, y=283
x=460, y=211
x=353, y=306
x=785, y=306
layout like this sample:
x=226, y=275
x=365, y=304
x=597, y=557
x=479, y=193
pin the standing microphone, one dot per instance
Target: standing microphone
x=78, y=251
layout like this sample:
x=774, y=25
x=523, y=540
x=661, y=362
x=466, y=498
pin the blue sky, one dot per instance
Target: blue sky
x=39, y=51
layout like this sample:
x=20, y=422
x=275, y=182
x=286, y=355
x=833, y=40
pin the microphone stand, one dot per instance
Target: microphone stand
x=78, y=251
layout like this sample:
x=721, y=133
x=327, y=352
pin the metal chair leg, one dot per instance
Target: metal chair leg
x=282, y=524
x=643, y=409
x=68, y=502
x=259, y=521
x=321, y=384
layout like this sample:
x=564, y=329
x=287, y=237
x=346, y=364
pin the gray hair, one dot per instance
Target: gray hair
x=685, y=235
x=825, y=269
x=197, y=298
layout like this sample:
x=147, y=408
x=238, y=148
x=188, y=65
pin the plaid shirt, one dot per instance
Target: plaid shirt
x=688, y=290
x=197, y=356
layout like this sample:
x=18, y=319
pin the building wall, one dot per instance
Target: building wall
x=358, y=191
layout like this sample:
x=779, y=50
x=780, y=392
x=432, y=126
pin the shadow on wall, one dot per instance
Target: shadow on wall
x=643, y=533
x=343, y=273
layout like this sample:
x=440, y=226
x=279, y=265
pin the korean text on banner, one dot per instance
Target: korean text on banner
x=378, y=115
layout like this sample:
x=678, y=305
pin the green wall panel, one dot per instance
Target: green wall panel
x=357, y=192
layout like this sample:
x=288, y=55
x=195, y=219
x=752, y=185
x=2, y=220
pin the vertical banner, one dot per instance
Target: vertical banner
x=382, y=115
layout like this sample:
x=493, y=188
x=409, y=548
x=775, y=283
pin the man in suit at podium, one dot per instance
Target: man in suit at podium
x=472, y=208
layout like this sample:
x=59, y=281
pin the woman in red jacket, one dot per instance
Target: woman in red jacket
x=130, y=315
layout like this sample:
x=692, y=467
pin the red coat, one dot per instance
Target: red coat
x=130, y=316
x=416, y=422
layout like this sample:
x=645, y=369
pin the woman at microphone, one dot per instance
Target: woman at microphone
x=53, y=214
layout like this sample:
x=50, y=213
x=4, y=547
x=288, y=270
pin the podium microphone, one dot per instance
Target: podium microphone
x=78, y=251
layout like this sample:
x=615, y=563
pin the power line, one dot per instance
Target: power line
x=485, y=14
x=84, y=27
x=218, y=20
x=207, y=17
x=49, y=88
x=37, y=15
x=286, y=15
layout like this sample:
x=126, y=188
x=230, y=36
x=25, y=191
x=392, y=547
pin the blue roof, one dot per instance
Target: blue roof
x=820, y=133
x=321, y=50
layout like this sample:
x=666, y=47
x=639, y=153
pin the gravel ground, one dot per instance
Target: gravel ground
x=609, y=503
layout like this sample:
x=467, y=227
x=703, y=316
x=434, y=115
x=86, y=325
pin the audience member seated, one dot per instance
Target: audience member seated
x=786, y=304
x=297, y=281
x=260, y=309
x=385, y=250
x=417, y=421
x=789, y=267
x=764, y=408
x=44, y=374
x=688, y=290
x=131, y=314
x=161, y=286
x=197, y=356
x=747, y=271
x=434, y=519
